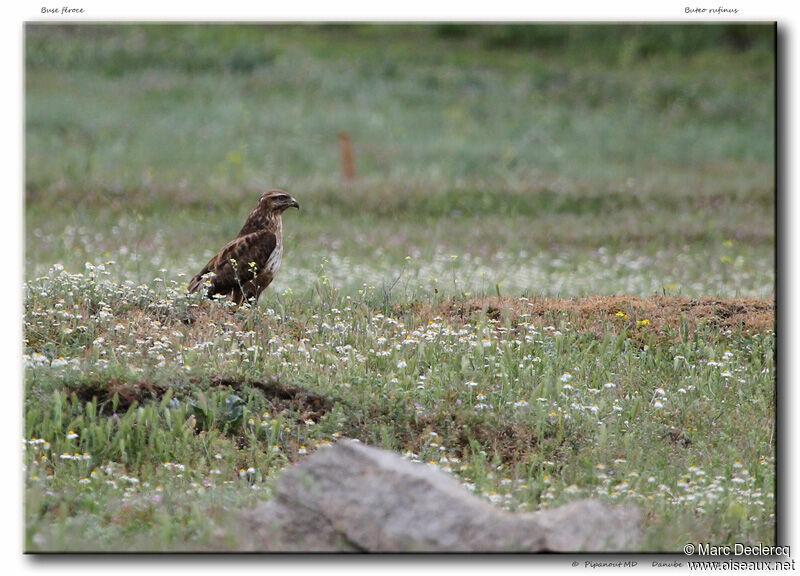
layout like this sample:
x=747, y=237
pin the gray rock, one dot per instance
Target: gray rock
x=354, y=498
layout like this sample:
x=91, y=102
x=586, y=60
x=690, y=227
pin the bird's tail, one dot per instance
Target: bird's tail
x=196, y=283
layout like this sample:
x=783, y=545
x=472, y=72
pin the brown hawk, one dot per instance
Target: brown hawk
x=248, y=264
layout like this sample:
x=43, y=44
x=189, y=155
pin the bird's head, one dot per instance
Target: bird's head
x=278, y=201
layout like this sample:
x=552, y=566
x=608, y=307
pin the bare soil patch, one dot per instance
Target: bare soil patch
x=127, y=393
x=601, y=313
x=283, y=398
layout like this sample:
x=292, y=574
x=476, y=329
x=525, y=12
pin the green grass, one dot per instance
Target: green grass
x=492, y=161
x=458, y=150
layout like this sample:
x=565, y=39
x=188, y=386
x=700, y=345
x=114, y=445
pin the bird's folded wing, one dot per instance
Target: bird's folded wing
x=249, y=253
x=239, y=261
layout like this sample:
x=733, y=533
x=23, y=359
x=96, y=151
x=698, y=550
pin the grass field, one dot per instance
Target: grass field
x=553, y=275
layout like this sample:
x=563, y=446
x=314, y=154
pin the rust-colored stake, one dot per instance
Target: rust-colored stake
x=348, y=164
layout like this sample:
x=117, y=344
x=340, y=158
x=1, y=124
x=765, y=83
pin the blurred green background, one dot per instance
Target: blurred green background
x=560, y=160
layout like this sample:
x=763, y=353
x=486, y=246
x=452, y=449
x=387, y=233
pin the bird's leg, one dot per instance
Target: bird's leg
x=250, y=289
x=237, y=296
x=261, y=282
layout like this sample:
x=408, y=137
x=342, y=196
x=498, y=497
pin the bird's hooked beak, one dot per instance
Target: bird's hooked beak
x=283, y=201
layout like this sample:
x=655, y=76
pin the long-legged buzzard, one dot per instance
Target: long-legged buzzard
x=248, y=264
